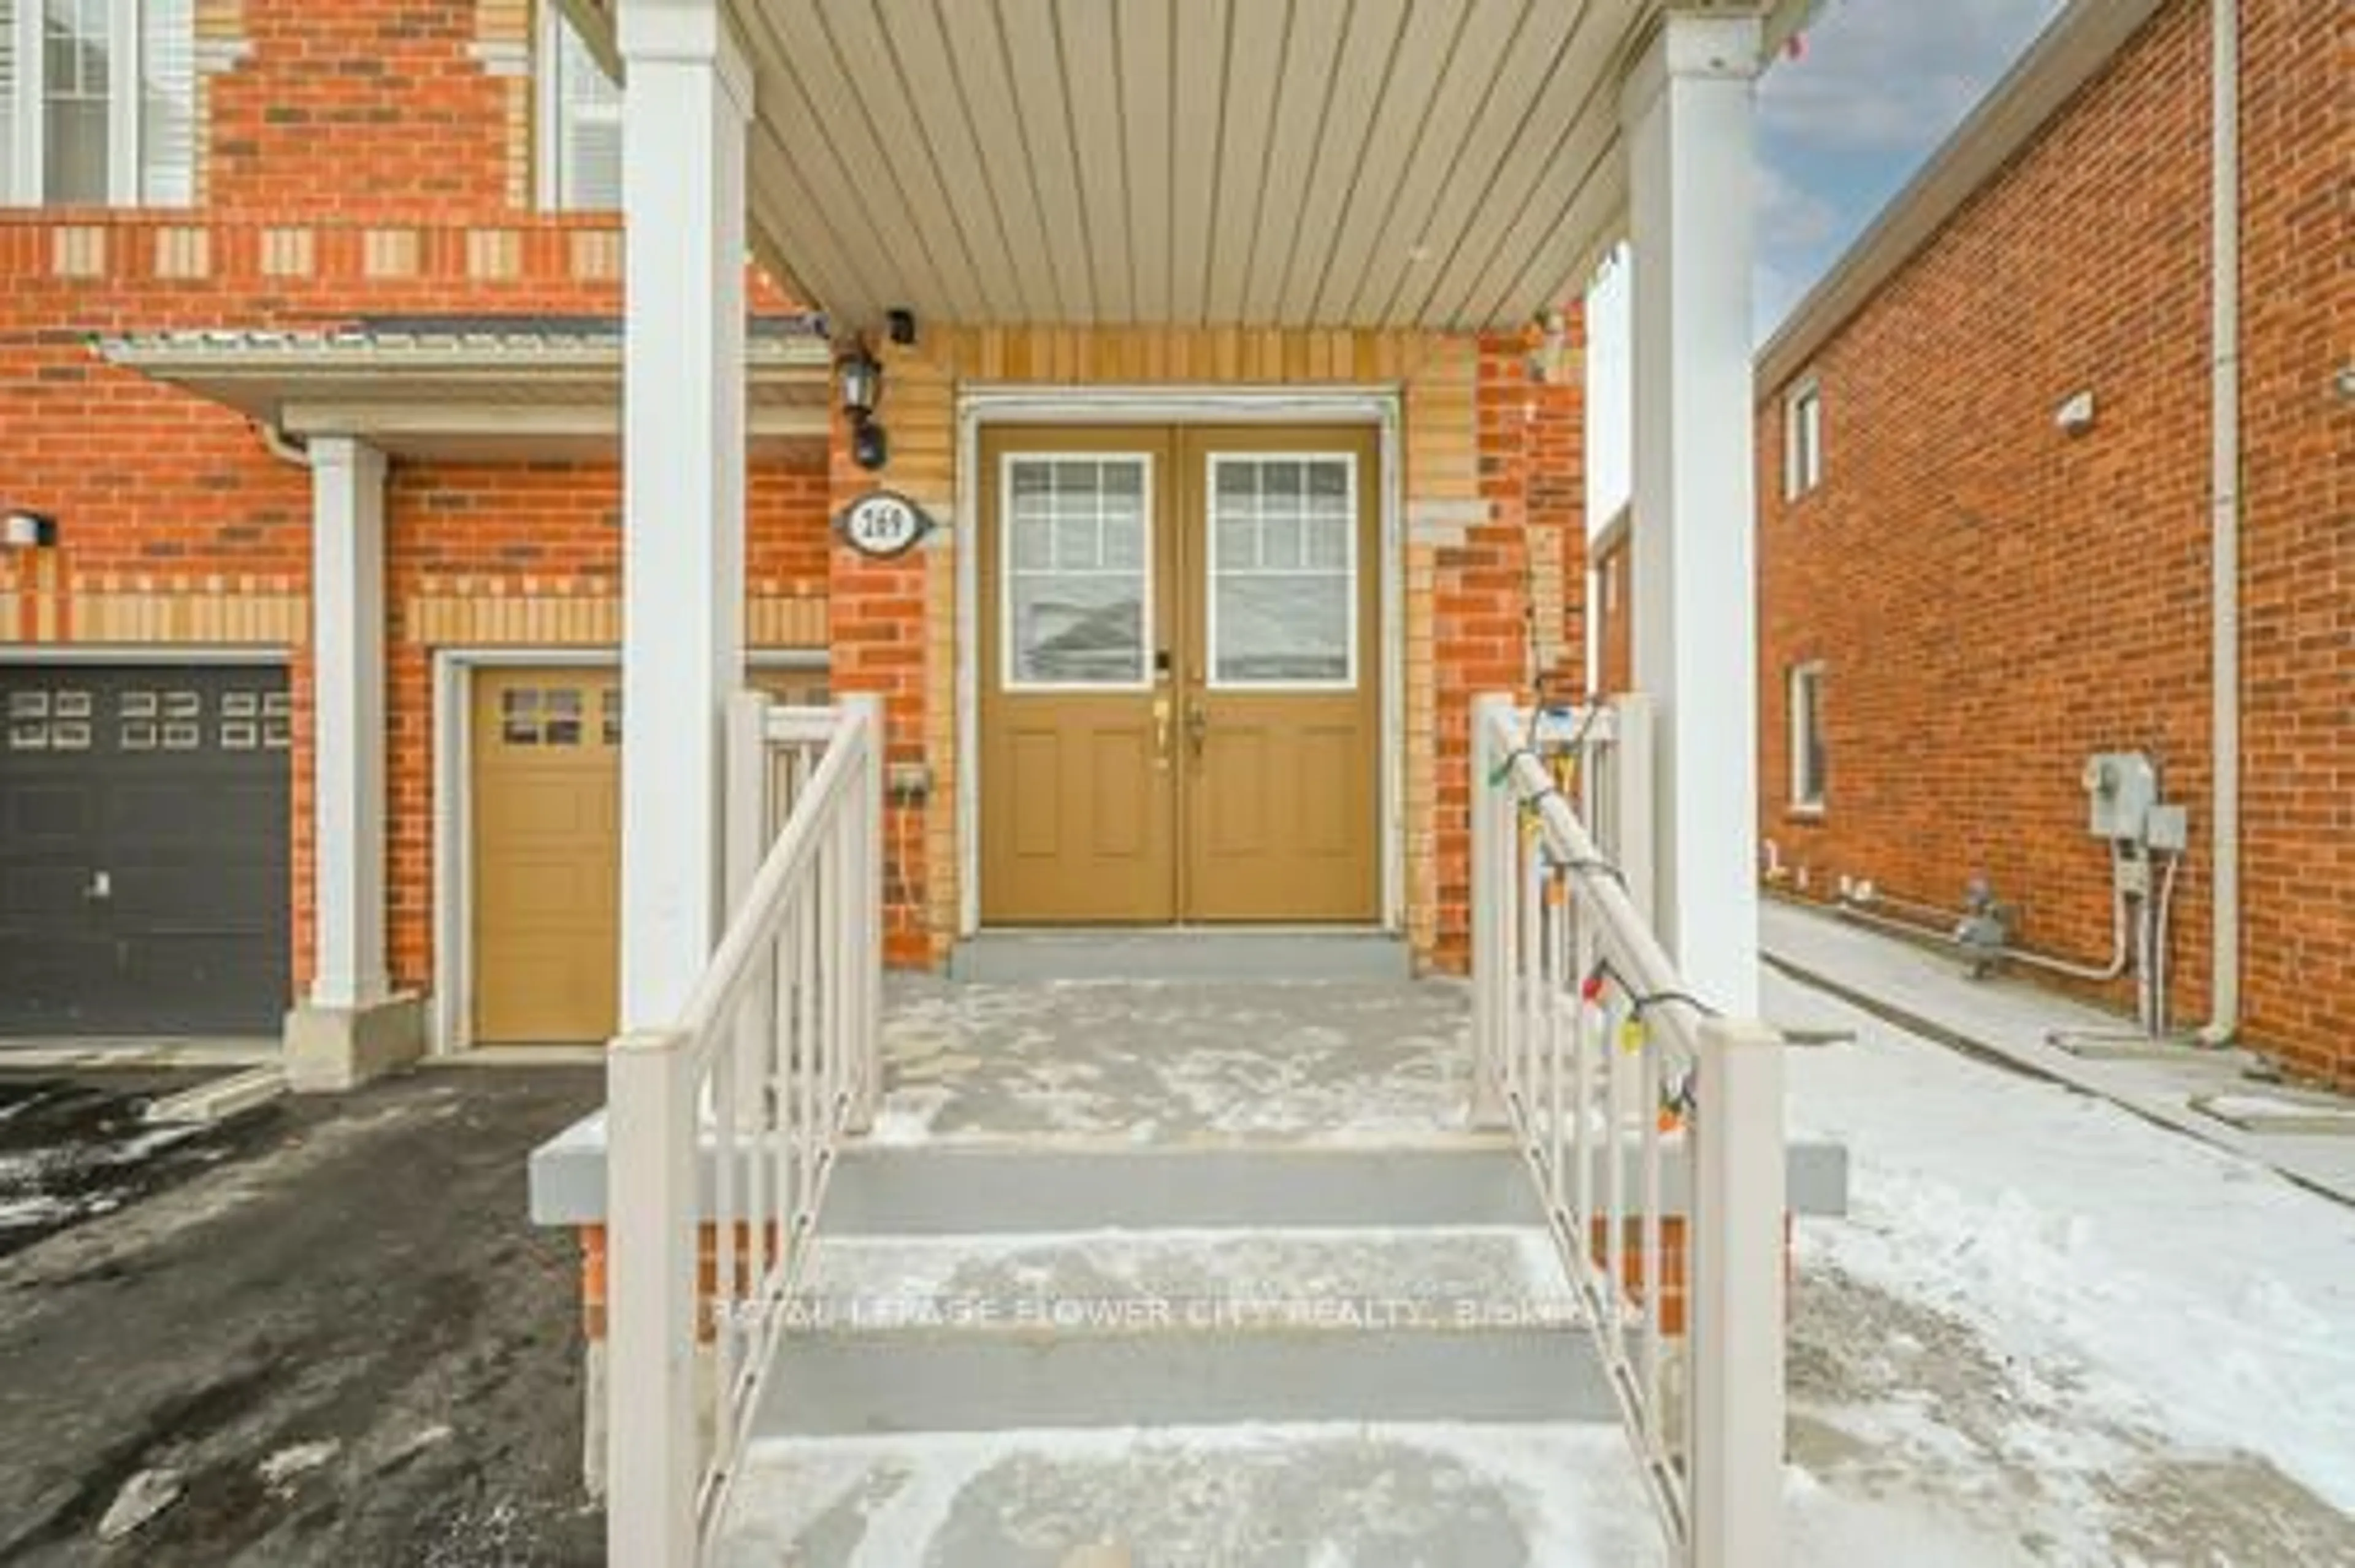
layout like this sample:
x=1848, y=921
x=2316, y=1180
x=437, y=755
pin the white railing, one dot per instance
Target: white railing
x=723, y=1128
x=1654, y=1128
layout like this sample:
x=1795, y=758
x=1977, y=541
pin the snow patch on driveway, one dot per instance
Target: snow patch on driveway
x=2061, y=1321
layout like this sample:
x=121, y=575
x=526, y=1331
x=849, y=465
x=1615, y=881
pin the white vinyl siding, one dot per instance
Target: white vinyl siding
x=580, y=122
x=98, y=102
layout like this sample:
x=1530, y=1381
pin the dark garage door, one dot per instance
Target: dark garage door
x=144, y=874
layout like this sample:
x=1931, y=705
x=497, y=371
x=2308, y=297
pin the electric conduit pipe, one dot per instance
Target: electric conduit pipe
x=2121, y=948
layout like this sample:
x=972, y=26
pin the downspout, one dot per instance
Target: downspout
x=2224, y=504
x=291, y=450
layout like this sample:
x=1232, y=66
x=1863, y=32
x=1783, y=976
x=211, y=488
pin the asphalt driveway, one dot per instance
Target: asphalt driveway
x=326, y=1329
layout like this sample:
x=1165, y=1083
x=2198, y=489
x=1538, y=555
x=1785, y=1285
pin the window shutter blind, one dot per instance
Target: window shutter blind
x=8, y=102
x=589, y=112
x=167, y=110
x=594, y=163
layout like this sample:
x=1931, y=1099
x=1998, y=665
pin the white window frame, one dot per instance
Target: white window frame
x=1803, y=439
x=1351, y=565
x=1803, y=710
x=21, y=183
x=1008, y=678
x=549, y=109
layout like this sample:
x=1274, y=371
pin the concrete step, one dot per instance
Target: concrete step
x=843, y=1381
x=1025, y=957
x=1034, y=1183
x=1003, y=1333
x=1038, y=1185
x=1269, y=1497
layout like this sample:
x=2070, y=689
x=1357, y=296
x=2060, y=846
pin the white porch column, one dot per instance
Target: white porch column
x=1687, y=110
x=687, y=99
x=350, y=1026
x=347, y=748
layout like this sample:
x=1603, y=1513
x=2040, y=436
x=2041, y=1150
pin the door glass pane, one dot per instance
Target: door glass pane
x=74, y=44
x=1077, y=574
x=1283, y=572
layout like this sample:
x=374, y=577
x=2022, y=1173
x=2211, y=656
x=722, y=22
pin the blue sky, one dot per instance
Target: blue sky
x=1877, y=86
x=1880, y=83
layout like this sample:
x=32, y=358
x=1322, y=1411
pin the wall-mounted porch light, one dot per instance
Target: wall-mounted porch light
x=859, y=380
x=27, y=531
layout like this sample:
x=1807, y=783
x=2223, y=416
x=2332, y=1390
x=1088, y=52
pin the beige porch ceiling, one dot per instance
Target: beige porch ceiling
x=1450, y=164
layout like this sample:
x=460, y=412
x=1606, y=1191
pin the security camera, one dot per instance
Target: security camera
x=2075, y=416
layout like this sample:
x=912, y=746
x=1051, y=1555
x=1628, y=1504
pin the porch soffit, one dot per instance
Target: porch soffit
x=1445, y=163
x=460, y=396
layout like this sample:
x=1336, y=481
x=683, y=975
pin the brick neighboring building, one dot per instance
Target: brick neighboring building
x=1990, y=596
x=377, y=225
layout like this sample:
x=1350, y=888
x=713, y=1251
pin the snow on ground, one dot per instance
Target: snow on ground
x=2051, y=1332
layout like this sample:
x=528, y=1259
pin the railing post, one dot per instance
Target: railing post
x=652, y=1463
x=1635, y=848
x=1491, y=985
x=746, y=831
x=1738, y=1310
x=745, y=822
x=865, y=711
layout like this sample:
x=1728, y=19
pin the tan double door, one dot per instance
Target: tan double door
x=1180, y=706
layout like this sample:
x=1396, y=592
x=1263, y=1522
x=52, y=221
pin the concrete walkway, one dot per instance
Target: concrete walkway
x=2190, y=1091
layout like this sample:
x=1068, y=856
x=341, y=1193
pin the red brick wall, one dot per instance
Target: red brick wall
x=368, y=105
x=876, y=614
x=1487, y=600
x=2298, y=579
x=1994, y=600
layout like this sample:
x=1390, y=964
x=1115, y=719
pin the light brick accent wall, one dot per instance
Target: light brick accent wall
x=1490, y=461
x=1993, y=600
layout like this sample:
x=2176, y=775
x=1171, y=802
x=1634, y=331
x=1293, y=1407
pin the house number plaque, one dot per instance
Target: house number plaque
x=882, y=524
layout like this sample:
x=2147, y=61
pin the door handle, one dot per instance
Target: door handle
x=1198, y=726
x=1161, y=733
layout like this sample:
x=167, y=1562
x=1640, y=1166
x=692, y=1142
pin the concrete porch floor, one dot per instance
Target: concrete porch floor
x=1176, y=1062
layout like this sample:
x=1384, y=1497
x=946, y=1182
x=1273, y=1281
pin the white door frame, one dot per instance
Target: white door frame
x=450, y=1024
x=983, y=405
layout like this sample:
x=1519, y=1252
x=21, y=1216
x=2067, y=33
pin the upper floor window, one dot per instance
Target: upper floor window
x=1803, y=440
x=1809, y=762
x=580, y=122
x=98, y=102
